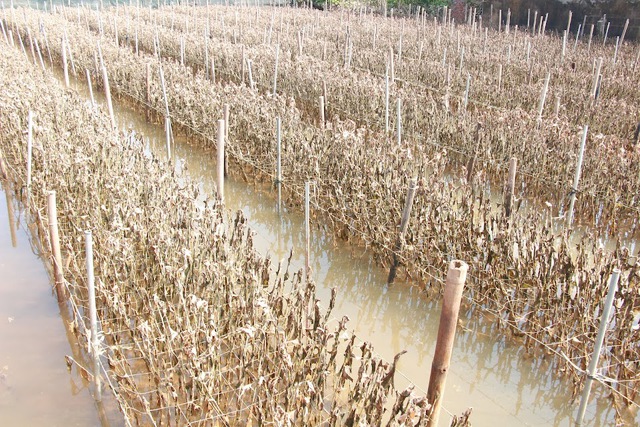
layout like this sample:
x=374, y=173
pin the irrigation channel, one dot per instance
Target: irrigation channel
x=403, y=309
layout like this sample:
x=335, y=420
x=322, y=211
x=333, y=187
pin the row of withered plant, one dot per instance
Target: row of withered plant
x=432, y=64
x=196, y=328
x=533, y=280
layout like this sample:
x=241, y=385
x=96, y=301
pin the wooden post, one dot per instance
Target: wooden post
x=454, y=286
x=220, y=152
x=251, y=82
x=93, y=316
x=597, y=348
x=510, y=187
x=543, y=96
x=404, y=225
x=10, y=215
x=168, y=134
x=307, y=231
x=576, y=179
x=321, y=111
x=275, y=71
x=594, y=88
x=54, y=238
x=107, y=92
x=226, y=111
x=399, y=120
x=466, y=94
x=29, y=148
x=386, y=100
x=65, y=66
x=624, y=31
x=93, y=101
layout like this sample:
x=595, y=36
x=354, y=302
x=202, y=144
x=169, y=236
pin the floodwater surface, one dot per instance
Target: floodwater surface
x=36, y=389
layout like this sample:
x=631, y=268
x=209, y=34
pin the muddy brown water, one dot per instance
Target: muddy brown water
x=36, y=388
x=489, y=372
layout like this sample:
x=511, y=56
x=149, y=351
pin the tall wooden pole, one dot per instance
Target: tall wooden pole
x=404, y=225
x=54, y=238
x=220, y=164
x=511, y=184
x=576, y=179
x=593, y=364
x=93, y=316
x=454, y=286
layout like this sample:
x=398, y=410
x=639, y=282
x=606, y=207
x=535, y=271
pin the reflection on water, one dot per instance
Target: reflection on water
x=35, y=387
x=489, y=372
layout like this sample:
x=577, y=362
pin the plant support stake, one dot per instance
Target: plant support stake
x=404, y=225
x=604, y=325
x=454, y=286
x=576, y=179
x=54, y=238
x=93, y=317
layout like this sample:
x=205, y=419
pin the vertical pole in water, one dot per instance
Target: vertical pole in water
x=511, y=185
x=576, y=179
x=399, y=120
x=54, y=237
x=29, y=149
x=386, y=100
x=275, y=70
x=93, y=101
x=322, y=117
x=404, y=225
x=466, y=94
x=543, y=97
x=454, y=286
x=107, y=93
x=167, y=132
x=307, y=231
x=279, y=161
x=590, y=38
x=594, y=88
x=93, y=317
x=220, y=164
x=65, y=67
x=604, y=324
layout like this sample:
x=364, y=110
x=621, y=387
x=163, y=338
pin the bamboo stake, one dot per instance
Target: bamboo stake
x=107, y=91
x=576, y=179
x=399, y=121
x=543, y=97
x=466, y=93
x=454, y=286
x=10, y=214
x=590, y=38
x=321, y=111
x=511, y=185
x=595, y=78
x=226, y=111
x=250, y=71
x=29, y=149
x=65, y=66
x=624, y=31
x=307, y=232
x=54, y=238
x=93, y=316
x=93, y=101
x=386, y=100
x=597, y=348
x=220, y=163
x=275, y=70
x=279, y=161
x=404, y=225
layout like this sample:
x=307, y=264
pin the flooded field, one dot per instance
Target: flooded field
x=36, y=388
x=501, y=375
